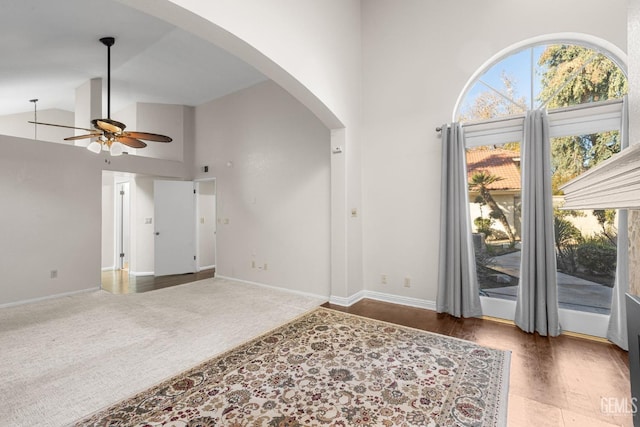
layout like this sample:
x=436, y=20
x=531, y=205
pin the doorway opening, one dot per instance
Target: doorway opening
x=128, y=233
x=206, y=224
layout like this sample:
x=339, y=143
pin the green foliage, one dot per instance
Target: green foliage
x=607, y=220
x=567, y=238
x=484, y=272
x=576, y=75
x=495, y=214
x=573, y=155
x=483, y=225
x=566, y=233
x=498, y=235
x=605, y=217
x=598, y=257
x=595, y=254
x=479, y=182
x=564, y=213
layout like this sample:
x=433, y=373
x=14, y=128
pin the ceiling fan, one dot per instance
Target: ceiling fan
x=110, y=134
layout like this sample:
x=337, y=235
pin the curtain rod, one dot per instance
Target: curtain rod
x=557, y=110
x=497, y=120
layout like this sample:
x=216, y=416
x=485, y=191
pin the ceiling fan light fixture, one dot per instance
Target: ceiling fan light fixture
x=94, y=147
x=110, y=133
x=116, y=149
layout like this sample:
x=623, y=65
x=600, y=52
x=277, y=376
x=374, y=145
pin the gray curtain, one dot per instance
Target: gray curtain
x=537, y=304
x=617, y=330
x=457, y=282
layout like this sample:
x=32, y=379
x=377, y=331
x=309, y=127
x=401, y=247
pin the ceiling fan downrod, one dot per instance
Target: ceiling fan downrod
x=108, y=42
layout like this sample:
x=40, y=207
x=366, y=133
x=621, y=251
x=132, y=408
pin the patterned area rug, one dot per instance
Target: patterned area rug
x=333, y=369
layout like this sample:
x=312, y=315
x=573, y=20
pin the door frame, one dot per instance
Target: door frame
x=122, y=218
x=215, y=219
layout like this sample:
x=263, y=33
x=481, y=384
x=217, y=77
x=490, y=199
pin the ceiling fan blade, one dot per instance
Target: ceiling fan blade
x=60, y=126
x=108, y=125
x=131, y=142
x=91, y=135
x=149, y=136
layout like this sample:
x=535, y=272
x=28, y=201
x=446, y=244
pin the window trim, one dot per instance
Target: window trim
x=613, y=52
x=593, y=117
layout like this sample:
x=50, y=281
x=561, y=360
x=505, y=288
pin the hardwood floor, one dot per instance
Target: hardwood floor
x=562, y=381
x=120, y=282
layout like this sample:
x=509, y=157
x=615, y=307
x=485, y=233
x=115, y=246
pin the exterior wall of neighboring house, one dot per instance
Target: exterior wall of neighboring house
x=586, y=222
x=509, y=203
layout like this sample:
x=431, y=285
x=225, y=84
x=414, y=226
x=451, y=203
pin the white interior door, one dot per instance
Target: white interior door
x=175, y=237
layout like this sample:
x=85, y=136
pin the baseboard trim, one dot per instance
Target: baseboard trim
x=49, y=297
x=401, y=300
x=206, y=267
x=380, y=296
x=141, y=273
x=347, y=301
x=264, y=285
x=113, y=267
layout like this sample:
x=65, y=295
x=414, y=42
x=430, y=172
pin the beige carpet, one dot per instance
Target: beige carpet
x=65, y=358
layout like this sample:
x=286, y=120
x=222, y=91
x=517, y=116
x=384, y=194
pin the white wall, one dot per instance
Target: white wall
x=18, y=125
x=142, y=237
x=108, y=222
x=51, y=215
x=313, y=50
x=50, y=219
x=415, y=60
x=310, y=48
x=417, y=57
x=164, y=119
x=88, y=107
x=270, y=157
x=129, y=116
x=505, y=202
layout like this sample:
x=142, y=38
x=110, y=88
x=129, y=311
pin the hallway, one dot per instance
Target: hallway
x=120, y=282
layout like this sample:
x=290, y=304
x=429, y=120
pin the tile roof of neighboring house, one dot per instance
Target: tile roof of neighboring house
x=498, y=162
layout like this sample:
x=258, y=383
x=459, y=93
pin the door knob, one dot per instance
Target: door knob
x=157, y=233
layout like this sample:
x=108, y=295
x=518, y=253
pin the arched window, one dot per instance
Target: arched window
x=548, y=75
x=582, y=88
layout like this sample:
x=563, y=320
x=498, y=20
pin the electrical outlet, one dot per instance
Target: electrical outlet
x=407, y=282
x=384, y=279
x=54, y=274
x=253, y=264
x=265, y=266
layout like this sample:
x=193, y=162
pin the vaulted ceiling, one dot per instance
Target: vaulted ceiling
x=49, y=48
